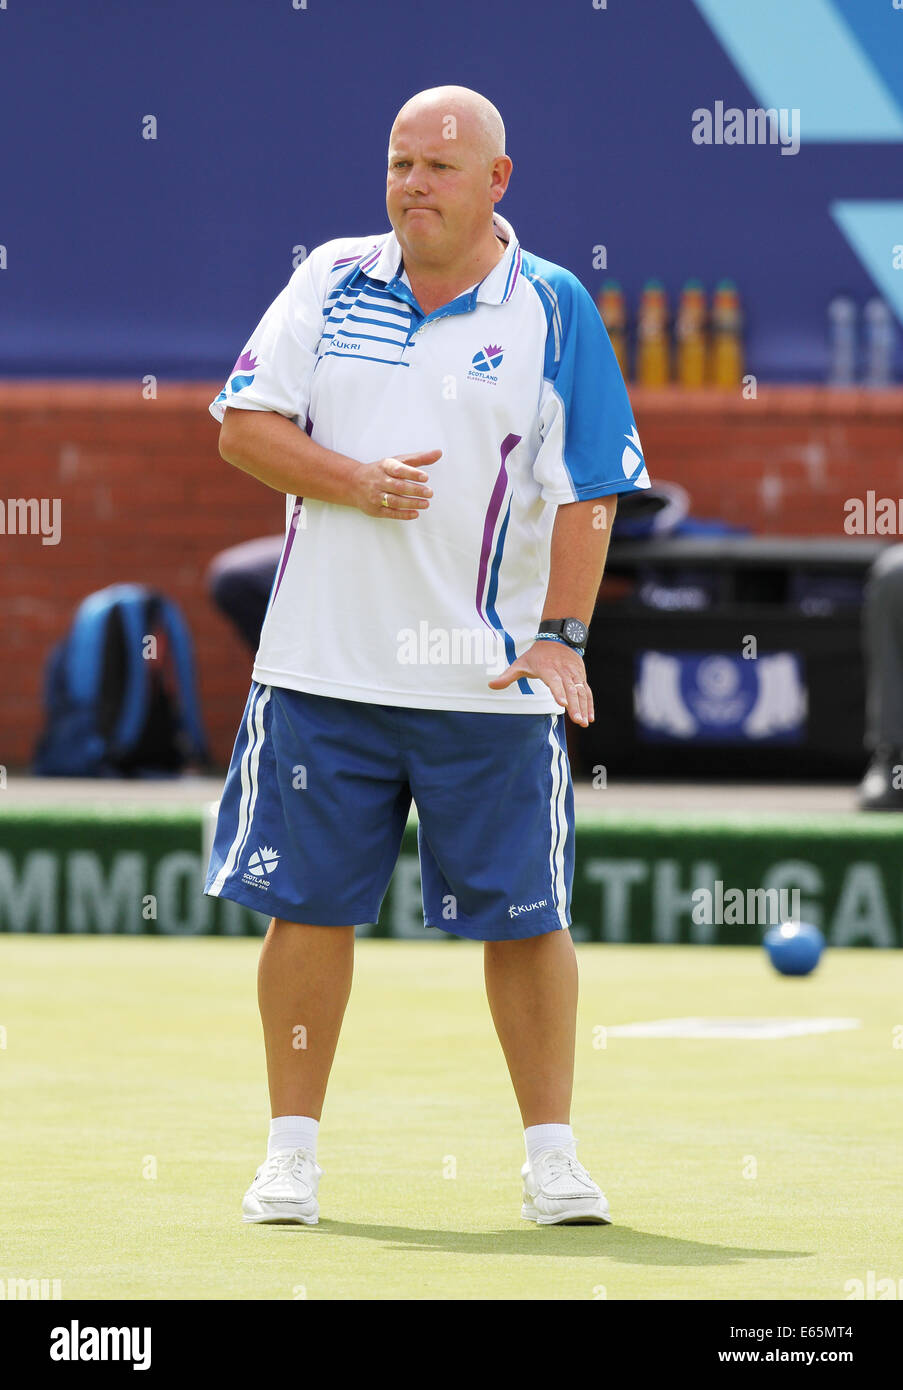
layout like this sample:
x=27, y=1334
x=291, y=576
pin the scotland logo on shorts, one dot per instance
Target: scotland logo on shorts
x=261, y=863
x=485, y=362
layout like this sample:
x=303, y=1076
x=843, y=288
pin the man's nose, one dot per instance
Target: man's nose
x=416, y=179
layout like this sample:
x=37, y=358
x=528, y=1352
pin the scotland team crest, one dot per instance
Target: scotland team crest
x=487, y=359
x=484, y=364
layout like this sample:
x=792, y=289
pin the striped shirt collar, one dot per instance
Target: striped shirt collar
x=383, y=263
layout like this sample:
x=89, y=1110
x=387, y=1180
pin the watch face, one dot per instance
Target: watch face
x=575, y=631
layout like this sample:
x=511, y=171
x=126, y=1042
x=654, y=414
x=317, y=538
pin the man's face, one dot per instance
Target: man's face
x=437, y=188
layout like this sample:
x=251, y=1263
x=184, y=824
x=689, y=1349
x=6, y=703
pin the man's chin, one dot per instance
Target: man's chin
x=425, y=241
x=421, y=225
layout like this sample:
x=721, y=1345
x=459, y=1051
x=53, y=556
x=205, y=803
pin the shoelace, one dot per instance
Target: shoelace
x=282, y=1163
x=559, y=1163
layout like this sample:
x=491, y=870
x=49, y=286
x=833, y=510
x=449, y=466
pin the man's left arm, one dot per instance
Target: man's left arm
x=580, y=537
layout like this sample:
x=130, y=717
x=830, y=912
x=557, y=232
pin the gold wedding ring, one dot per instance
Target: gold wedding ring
x=385, y=499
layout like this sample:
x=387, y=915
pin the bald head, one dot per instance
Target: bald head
x=447, y=170
x=459, y=113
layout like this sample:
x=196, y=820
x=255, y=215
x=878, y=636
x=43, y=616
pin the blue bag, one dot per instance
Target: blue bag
x=120, y=691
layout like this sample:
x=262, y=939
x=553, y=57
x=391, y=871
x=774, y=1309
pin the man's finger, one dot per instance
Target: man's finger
x=404, y=472
x=579, y=710
x=412, y=465
x=401, y=487
x=420, y=460
x=407, y=482
x=405, y=500
x=556, y=685
x=397, y=509
x=506, y=678
x=582, y=697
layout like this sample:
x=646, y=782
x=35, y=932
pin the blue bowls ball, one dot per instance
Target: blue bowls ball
x=794, y=948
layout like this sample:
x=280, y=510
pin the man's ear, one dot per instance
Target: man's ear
x=500, y=185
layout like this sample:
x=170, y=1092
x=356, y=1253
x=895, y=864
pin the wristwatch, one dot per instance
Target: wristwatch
x=568, y=630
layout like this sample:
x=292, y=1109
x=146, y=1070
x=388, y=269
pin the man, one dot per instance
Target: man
x=447, y=420
x=881, y=788
x=240, y=580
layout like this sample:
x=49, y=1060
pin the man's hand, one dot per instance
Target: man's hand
x=561, y=669
x=400, y=481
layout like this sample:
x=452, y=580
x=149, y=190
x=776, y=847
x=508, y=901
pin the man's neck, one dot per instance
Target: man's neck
x=433, y=289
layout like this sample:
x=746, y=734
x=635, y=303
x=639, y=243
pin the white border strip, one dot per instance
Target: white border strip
x=559, y=823
x=249, y=767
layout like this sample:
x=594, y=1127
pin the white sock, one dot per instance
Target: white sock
x=290, y=1132
x=540, y=1137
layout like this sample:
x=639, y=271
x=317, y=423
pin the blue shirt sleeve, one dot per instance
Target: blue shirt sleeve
x=590, y=445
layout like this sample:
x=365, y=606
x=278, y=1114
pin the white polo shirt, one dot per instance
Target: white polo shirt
x=516, y=382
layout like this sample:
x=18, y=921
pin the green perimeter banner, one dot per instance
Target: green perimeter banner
x=696, y=879
x=638, y=879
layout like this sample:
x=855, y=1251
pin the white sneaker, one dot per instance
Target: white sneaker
x=560, y=1192
x=285, y=1189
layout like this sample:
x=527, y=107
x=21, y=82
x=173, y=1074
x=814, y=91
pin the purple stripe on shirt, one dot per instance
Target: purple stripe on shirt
x=515, y=267
x=492, y=516
x=368, y=262
x=293, y=527
x=365, y=259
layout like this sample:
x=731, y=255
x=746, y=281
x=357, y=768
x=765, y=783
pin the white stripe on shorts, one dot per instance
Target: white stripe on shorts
x=558, y=817
x=249, y=767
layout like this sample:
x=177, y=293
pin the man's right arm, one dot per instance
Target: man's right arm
x=274, y=450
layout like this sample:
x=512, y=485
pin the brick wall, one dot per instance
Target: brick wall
x=146, y=498
x=782, y=464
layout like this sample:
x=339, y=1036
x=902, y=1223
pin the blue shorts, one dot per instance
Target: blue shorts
x=317, y=798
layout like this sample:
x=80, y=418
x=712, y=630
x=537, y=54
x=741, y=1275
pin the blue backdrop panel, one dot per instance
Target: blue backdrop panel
x=127, y=256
